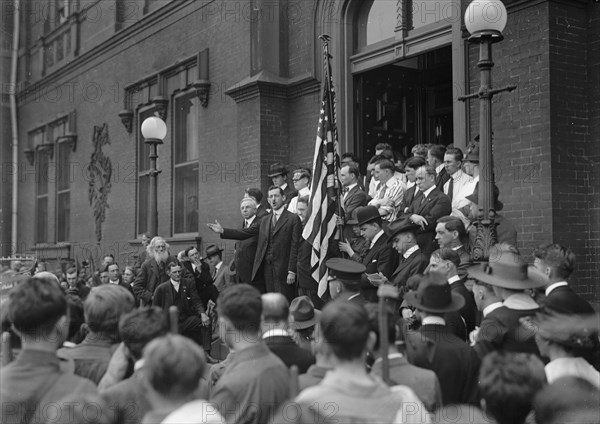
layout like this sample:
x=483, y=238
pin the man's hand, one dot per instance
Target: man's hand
x=205, y=319
x=346, y=248
x=291, y=278
x=377, y=279
x=387, y=202
x=216, y=227
x=210, y=306
x=419, y=220
x=117, y=368
x=339, y=221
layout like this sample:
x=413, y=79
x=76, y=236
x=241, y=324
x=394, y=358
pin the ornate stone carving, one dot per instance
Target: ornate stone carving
x=99, y=171
x=126, y=116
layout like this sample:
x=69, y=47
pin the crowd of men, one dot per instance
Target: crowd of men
x=408, y=330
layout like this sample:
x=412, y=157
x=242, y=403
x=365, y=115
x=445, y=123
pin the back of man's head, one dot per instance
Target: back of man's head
x=275, y=308
x=140, y=326
x=559, y=258
x=104, y=307
x=173, y=366
x=345, y=328
x=373, y=313
x=241, y=304
x=35, y=306
x=508, y=383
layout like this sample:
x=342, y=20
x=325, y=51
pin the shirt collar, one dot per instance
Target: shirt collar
x=283, y=186
x=429, y=190
x=379, y=234
x=490, y=308
x=274, y=332
x=553, y=286
x=304, y=191
x=453, y=279
x=113, y=282
x=455, y=248
x=457, y=175
x=431, y=320
x=175, y=284
x=520, y=302
x=410, y=251
x=439, y=168
x=351, y=186
x=218, y=266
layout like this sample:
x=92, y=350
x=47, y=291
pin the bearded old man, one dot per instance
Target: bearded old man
x=154, y=271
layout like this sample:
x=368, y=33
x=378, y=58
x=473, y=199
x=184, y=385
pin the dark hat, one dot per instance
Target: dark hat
x=435, y=295
x=474, y=197
x=508, y=270
x=366, y=214
x=472, y=153
x=277, y=169
x=303, y=313
x=566, y=330
x=402, y=225
x=345, y=269
x=212, y=250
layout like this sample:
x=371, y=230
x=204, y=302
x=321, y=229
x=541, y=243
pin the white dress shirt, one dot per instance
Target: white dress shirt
x=293, y=206
x=463, y=186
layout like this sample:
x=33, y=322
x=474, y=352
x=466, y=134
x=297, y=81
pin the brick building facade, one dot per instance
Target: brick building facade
x=89, y=72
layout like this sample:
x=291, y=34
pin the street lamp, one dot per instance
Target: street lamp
x=485, y=20
x=154, y=131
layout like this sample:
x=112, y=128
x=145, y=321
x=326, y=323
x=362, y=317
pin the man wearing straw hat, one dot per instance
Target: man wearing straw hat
x=509, y=277
x=455, y=364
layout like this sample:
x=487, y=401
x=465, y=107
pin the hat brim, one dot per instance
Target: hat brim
x=366, y=221
x=352, y=222
x=534, y=280
x=455, y=305
x=301, y=325
x=277, y=174
x=409, y=229
x=216, y=252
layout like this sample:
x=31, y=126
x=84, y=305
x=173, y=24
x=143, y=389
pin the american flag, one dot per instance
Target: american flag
x=321, y=223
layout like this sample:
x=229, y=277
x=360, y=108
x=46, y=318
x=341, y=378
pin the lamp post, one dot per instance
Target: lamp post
x=154, y=131
x=485, y=20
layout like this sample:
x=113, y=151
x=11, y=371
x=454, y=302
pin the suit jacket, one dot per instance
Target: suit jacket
x=441, y=179
x=245, y=250
x=414, y=264
x=284, y=244
x=564, y=300
x=409, y=196
x=436, y=205
x=380, y=258
x=355, y=198
x=469, y=310
x=190, y=301
x=203, y=282
x=422, y=381
x=455, y=364
x=223, y=278
x=465, y=261
x=150, y=276
x=290, y=353
x=289, y=193
x=127, y=400
x=501, y=330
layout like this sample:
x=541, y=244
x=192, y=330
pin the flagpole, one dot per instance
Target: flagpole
x=330, y=93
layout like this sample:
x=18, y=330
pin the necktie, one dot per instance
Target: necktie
x=245, y=225
x=450, y=188
x=382, y=192
x=274, y=219
x=423, y=199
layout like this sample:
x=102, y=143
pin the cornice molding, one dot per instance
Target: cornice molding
x=267, y=85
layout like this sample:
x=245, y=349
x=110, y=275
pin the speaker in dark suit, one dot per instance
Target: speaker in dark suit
x=454, y=362
x=277, y=248
x=246, y=248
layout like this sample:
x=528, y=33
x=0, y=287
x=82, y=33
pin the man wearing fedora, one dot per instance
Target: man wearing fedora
x=509, y=277
x=276, y=257
x=345, y=280
x=426, y=209
x=379, y=258
x=221, y=275
x=354, y=197
x=471, y=160
x=455, y=364
x=275, y=326
x=505, y=230
x=278, y=175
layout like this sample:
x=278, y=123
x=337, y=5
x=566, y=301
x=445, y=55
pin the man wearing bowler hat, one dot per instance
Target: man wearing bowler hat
x=221, y=274
x=345, y=279
x=278, y=175
x=455, y=364
x=509, y=276
x=379, y=257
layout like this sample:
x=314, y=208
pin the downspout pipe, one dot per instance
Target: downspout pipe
x=14, y=124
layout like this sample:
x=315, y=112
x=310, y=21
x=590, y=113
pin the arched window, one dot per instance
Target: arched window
x=376, y=22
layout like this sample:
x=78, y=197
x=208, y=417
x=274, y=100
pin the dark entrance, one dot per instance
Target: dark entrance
x=407, y=103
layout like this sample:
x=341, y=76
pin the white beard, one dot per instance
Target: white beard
x=161, y=257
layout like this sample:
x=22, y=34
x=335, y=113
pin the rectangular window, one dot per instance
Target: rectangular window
x=42, y=177
x=185, y=163
x=143, y=178
x=63, y=201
